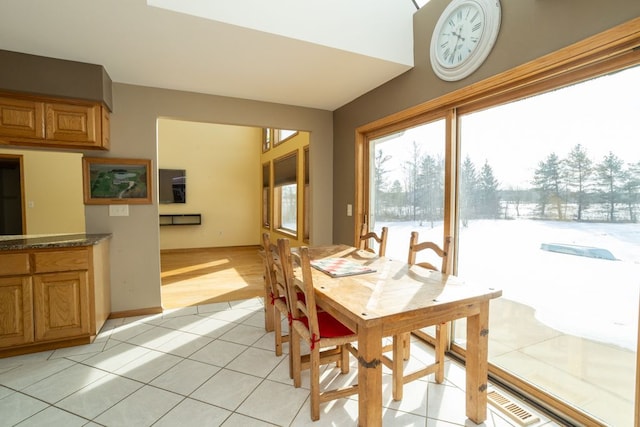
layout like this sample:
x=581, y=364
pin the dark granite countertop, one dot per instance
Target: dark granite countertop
x=16, y=243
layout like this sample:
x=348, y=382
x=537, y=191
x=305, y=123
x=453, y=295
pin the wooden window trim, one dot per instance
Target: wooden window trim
x=277, y=195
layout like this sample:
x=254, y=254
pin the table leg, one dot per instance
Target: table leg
x=477, y=364
x=370, y=376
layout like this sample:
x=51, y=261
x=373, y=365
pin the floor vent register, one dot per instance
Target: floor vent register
x=514, y=411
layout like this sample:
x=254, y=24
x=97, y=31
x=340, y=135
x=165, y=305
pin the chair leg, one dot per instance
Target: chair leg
x=277, y=330
x=315, y=384
x=441, y=343
x=268, y=306
x=294, y=353
x=398, y=366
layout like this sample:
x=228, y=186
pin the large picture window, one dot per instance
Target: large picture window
x=285, y=194
x=541, y=192
x=407, y=185
x=551, y=187
x=266, y=195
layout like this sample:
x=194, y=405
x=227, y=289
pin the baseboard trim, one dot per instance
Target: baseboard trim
x=136, y=312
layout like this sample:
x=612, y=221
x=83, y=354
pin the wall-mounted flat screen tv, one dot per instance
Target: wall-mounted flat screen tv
x=172, y=186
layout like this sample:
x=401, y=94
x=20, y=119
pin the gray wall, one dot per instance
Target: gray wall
x=135, y=247
x=529, y=29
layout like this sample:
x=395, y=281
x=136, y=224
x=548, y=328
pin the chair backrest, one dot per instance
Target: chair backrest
x=300, y=307
x=415, y=247
x=366, y=235
x=273, y=266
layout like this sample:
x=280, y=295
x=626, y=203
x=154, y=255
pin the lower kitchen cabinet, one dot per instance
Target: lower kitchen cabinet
x=52, y=298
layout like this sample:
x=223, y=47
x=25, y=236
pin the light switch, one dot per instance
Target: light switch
x=118, y=210
x=349, y=209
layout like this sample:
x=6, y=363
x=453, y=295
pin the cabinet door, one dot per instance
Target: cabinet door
x=16, y=313
x=61, y=305
x=78, y=124
x=21, y=118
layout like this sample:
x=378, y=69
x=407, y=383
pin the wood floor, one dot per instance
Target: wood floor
x=201, y=276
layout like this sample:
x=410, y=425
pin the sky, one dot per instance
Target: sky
x=602, y=114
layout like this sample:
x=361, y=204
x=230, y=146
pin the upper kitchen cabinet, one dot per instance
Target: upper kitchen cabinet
x=50, y=123
x=49, y=102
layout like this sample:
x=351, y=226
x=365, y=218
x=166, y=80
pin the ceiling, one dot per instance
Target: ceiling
x=311, y=54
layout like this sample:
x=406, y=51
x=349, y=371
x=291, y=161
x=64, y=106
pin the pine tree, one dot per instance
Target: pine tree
x=489, y=199
x=548, y=180
x=431, y=188
x=631, y=189
x=610, y=178
x=579, y=169
x=468, y=184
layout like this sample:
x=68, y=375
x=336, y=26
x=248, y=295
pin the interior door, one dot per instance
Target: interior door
x=11, y=199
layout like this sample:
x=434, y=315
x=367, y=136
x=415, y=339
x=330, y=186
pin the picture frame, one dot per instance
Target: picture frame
x=111, y=181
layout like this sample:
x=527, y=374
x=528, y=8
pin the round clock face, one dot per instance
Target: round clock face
x=463, y=37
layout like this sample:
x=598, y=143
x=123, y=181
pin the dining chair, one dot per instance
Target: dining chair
x=365, y=236
x=402, y=342
x=318, y=329
x=276, y=289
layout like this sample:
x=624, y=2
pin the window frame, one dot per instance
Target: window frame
x=266, y=195
x=277, y=195
x=609, y=51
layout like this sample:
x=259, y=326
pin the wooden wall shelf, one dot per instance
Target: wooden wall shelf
x=181, y=219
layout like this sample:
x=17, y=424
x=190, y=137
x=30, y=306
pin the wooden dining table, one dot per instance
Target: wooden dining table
x=398, y=298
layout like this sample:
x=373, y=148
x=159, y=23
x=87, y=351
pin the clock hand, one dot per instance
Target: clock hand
x=458, y=35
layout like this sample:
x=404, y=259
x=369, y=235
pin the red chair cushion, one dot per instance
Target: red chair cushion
x=329, y=326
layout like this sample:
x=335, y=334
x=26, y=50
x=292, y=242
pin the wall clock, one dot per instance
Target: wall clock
x=463, y=37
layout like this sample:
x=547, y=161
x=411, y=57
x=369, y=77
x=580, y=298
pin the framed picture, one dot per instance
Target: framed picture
x=109, y=181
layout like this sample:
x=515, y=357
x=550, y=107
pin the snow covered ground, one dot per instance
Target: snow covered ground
x=590, y=298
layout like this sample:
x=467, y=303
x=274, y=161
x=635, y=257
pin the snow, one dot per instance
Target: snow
x=587, y=297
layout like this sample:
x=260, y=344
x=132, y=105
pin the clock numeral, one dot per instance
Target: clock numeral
x=474, y=39
x=475, y=16
x=447, y=52
x=459, y=57
x=477, y=26
x=443, y=45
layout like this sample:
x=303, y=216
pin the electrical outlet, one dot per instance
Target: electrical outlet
x=118, y=210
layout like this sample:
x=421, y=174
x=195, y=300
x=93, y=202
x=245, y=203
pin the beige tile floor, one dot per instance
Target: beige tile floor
x=207, y=365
